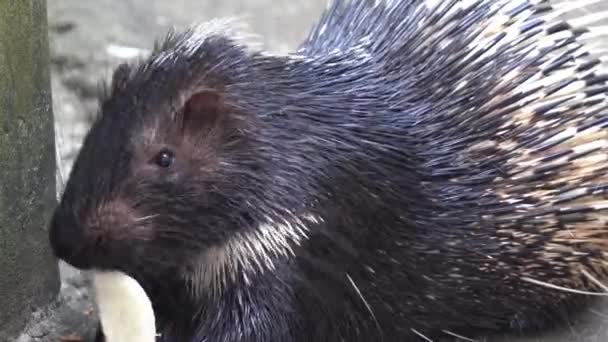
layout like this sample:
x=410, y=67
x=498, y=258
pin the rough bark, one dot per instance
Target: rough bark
x=28, y=272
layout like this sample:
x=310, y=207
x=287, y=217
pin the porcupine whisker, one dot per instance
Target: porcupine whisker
x=369, y=308
x=458, y=336
x=421, y=335
x=561, y=288
x=140, y=221
x=595, y=280
x=147, y=217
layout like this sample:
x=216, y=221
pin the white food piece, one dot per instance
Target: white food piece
x=125, y=310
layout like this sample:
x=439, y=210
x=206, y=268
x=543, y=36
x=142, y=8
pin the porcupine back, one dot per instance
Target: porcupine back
x=512, y=127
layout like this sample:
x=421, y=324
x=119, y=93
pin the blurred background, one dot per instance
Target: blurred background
x=89, y=38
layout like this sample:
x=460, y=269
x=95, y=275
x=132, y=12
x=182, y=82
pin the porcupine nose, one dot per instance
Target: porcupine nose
x=67, y=240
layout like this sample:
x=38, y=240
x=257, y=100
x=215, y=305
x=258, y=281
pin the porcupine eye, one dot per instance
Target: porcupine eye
x=164, y=158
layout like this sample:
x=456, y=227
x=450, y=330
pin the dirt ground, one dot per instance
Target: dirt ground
x=89, y=38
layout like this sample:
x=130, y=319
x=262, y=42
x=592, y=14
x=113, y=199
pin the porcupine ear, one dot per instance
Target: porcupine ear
x=201, y=111
x=120, y=77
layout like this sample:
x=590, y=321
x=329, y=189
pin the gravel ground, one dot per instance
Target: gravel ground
x=89, y=38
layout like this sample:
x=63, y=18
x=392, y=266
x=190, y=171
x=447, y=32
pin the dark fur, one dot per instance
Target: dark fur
x=376, y=146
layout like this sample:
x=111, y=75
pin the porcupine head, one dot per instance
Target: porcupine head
x=169, y=173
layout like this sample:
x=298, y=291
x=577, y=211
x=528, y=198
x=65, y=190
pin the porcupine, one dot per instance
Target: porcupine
x=414, y=170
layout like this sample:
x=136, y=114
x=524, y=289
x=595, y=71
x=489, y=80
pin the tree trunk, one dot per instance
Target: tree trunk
x=28, y=272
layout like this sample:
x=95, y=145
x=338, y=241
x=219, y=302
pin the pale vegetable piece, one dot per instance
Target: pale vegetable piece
x=125, y=310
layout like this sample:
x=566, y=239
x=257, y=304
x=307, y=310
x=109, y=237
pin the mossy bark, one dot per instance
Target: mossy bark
x=28, y=272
